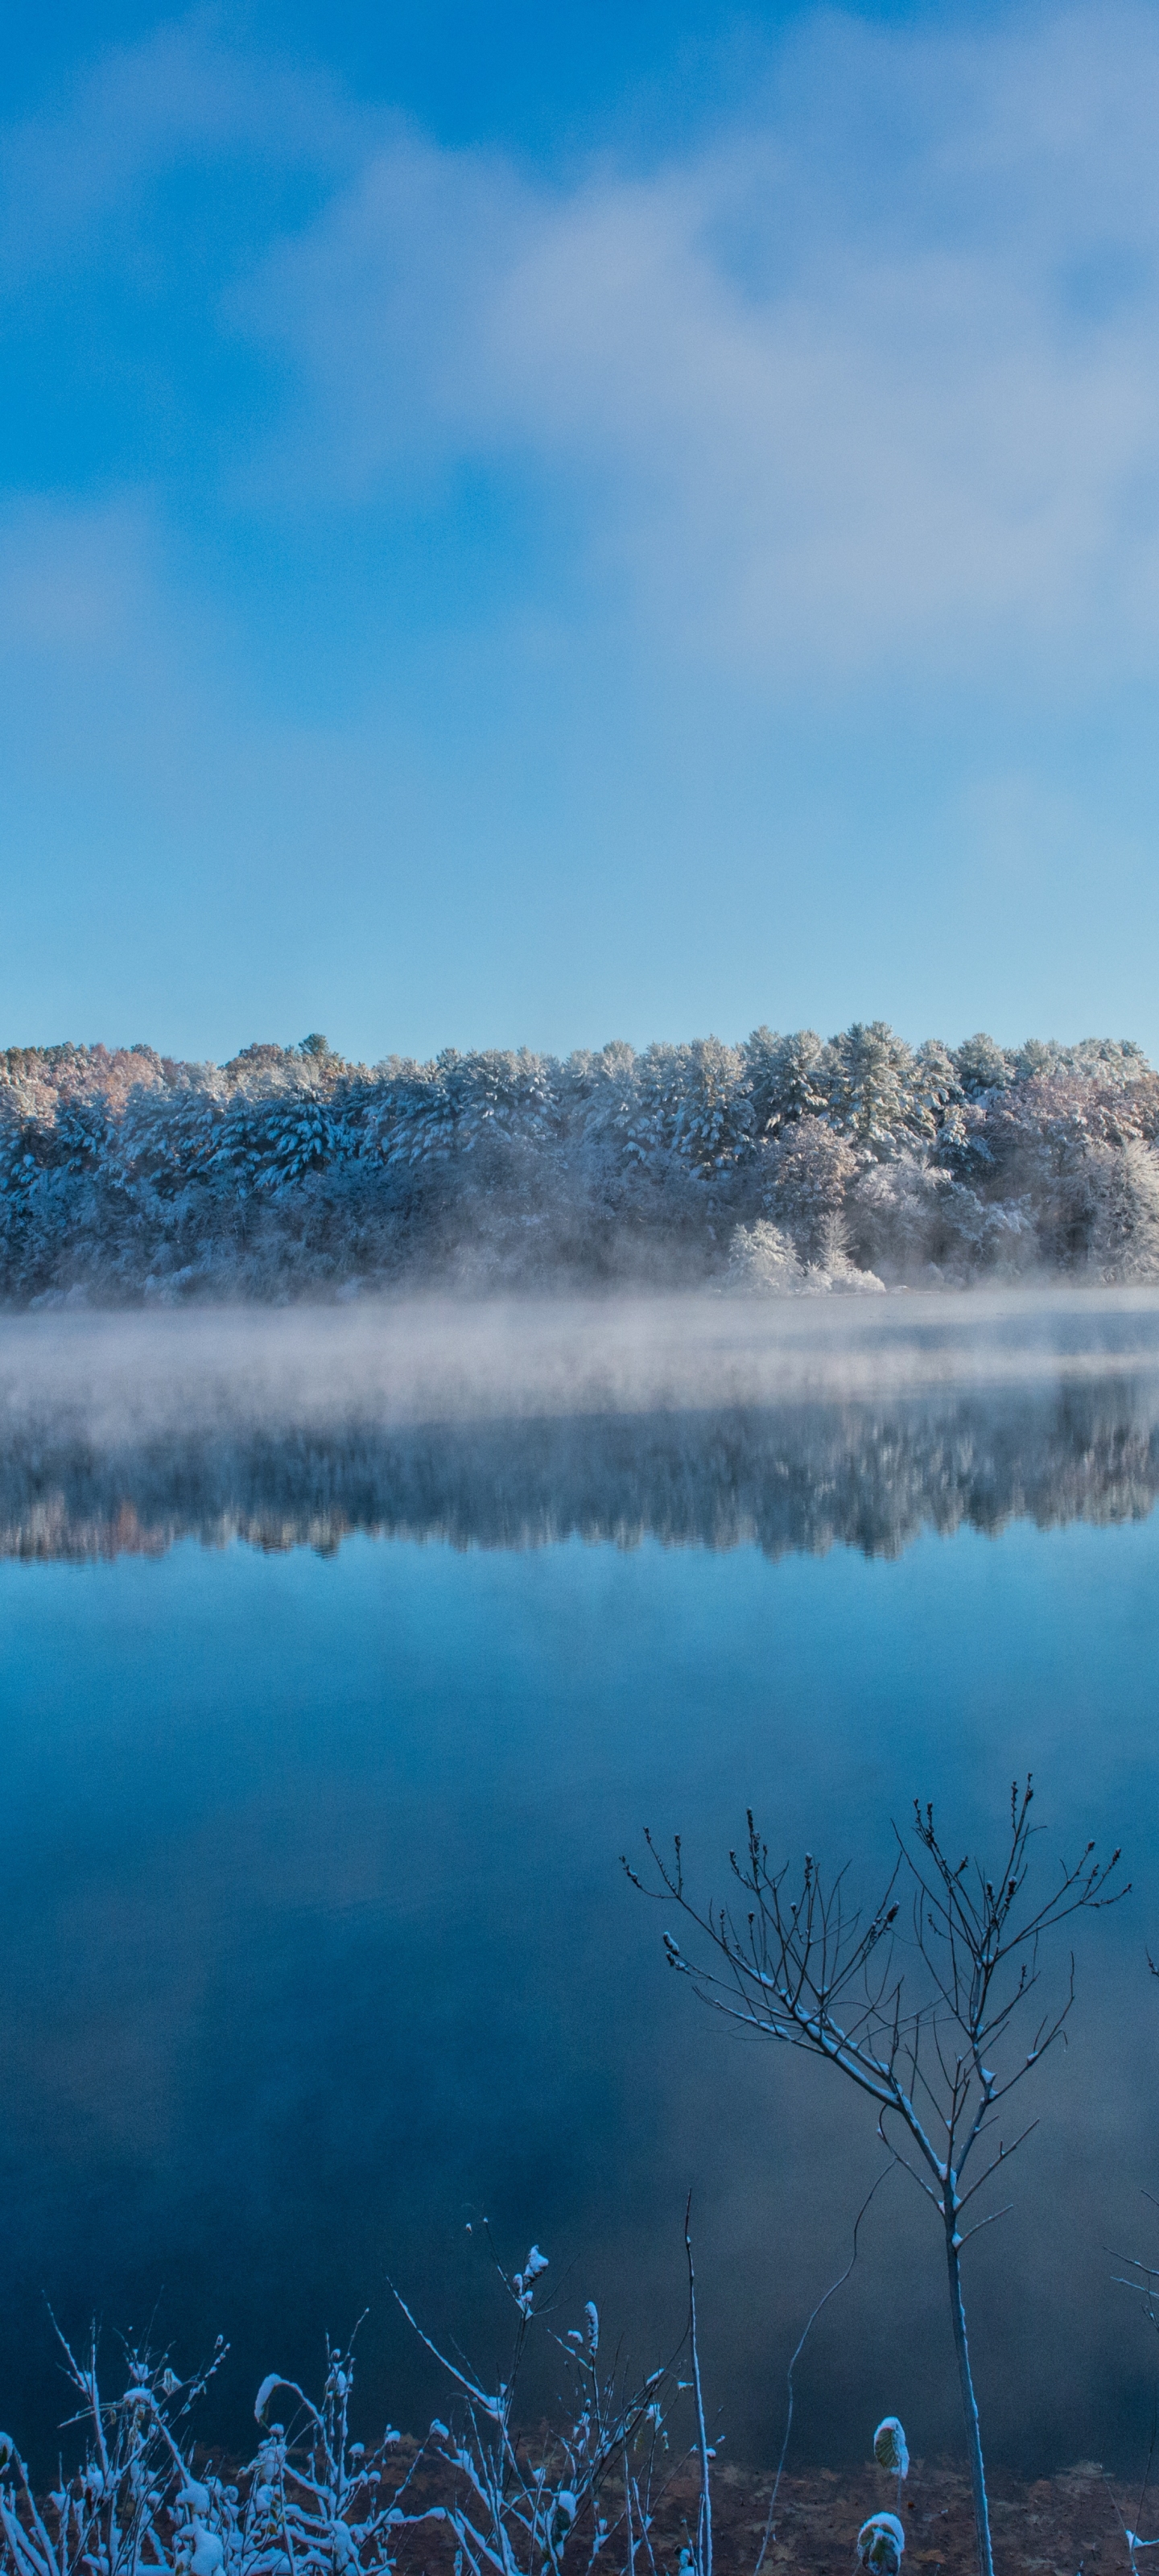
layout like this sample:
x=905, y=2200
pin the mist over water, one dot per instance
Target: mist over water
x=314, y=1939
x=699, y=1420
x=436, y=1358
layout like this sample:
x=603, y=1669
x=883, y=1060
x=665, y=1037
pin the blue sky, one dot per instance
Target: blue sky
x=526, y=524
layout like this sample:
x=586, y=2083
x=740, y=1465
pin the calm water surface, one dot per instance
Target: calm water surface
x=315, y=1941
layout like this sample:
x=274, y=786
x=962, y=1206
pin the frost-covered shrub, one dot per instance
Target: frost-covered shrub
x=517, y=2503
x=881, y=2543
x=310, y=2499
x=762, y=1262
x=843, y=1278
x=890, y=2448
x=313, y=2501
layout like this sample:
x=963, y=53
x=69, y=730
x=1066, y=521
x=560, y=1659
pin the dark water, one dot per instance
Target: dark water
x=315, y=1943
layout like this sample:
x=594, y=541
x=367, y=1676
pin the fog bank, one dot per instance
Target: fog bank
x=694, y=1420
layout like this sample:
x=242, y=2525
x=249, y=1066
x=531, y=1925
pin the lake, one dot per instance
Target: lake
x=342, y=1655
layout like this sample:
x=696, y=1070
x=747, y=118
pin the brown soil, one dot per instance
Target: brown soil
x=1056, y=2526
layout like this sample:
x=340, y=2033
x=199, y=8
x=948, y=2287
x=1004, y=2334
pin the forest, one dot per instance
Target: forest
x=785, y=1165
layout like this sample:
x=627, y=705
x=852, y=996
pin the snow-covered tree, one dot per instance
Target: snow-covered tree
x=762, y=1262
x=286, y=1170
x=813, y=1168
x=873, y=1087
x=786, y=1078
x=1124, y=1239
x=980, y=1066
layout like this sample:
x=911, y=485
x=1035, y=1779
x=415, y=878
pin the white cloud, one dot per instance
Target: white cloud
x=868, y=384
x=866, y=389
x=873, y=381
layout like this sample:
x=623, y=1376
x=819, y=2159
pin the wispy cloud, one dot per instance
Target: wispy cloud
x=868, y=383
x=547, y=544
x=874, y=378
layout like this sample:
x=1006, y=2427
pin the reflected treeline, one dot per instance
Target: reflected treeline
x=804, y=1477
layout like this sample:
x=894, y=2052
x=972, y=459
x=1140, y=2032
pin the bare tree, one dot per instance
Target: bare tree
x=801, y=1966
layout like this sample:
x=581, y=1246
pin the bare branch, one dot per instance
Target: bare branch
x=922, y=2024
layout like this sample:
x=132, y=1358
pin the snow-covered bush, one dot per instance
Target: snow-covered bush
x=312, y=2501
x=842, y=1278
x=890, y=2448
x=516, y=2502
x=763, y=1263
x=880, y=2544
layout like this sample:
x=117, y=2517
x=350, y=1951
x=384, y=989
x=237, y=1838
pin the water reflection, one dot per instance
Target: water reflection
x=312, y=1933
x=802, y=1476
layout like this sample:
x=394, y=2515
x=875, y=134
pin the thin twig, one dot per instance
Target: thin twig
x=811, y=2321
x=704, y=2534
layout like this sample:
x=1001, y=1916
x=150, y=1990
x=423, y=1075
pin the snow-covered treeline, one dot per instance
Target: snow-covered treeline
x=784, y=1163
